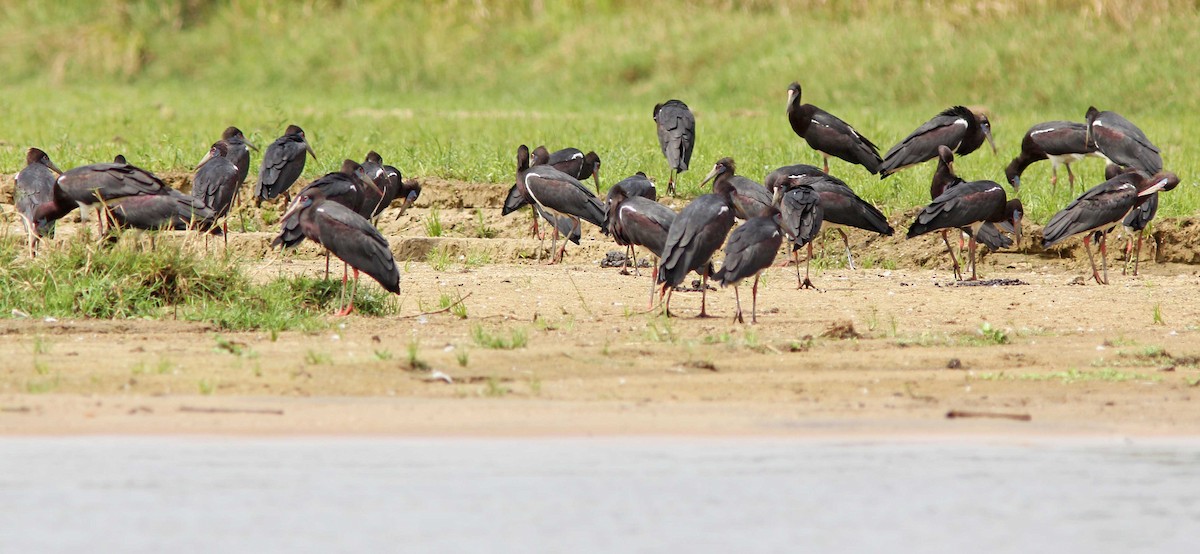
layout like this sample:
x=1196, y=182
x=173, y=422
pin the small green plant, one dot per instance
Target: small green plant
x=661, y=330
x=312, y=357
x=42, y=386
x=206, y=387
x=456, y=305
x=1158, y=316
x=40, y=367
x=518, y=338
x=482, y=230
x=535, y=385
x=463, y=357
x=40, y=345
x=493, y=388
x=433, y=223
x=226, y=345
x=994, y=335
x=415, y=363
x=477, y=258
x=439, y=258
x=383, y=355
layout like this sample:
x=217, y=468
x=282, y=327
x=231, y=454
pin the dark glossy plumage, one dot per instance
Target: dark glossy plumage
x=637, y=221
x=1122, y=142
x=695, y=235
x=829, y=135
x=749, y=198
x=388, y=181
x=35, y=186
x=840, y=206
x=676, y=136
x=239, y=152
x=775, y=178
x=282, y=164
x=216, y=180
x=348, y=235
x=800, y=214
x=958, y=128
x=1061, y=142
x=751, y=248
x=342, y=187
x=558, y=194
x=970, y=206
x=637, y=184
x=88, y=185
x=1104, y=205
x=173, y=210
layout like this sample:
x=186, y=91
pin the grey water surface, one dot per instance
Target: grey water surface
x=189, y=494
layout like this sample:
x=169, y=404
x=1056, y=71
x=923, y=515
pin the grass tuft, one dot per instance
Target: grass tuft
x=517, y=338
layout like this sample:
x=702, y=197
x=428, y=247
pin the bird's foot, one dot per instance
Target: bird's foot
x=807, y=284
x=737, y=318
x=344, y=311
x=703, y=315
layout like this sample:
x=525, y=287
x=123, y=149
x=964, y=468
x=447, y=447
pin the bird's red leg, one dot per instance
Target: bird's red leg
x=1070, y=178
x=754, y=299
x=653, y=285
x=1138, y=255
x=704, y=294
x=826, y=158
x=807, y=284
x=342, y=295
x=796, y=260
x=1104, y=256
x=974, y=277
x=1087, y=242
x=737, y=315
x=1054, y=176
x=953, y=258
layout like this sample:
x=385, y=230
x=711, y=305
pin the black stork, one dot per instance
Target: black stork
x=239, y=152
x=344, y=187
x=349, y=236
x=800, y=217
x=1126, y=145
x=571, y=161
x=517, y=198
x=695, y=235
x=841, y=208
x=282, y=164
x=1061, y=142
x=638, y=221
x=635, y=185
x=751, y=248
x=750, y=199
x=829, y=135
x=1100, y=208
x=35, y=185
x=215, y=185
x=962, y=130
x=776, y=177
x=969, y=206
x=388, y=181
x=173, y=210
x=97, y=185
x=558, y=194
x=410, y=190
x=676, y=136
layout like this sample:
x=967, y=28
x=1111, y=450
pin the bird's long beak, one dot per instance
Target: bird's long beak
x=987, y=133
x=1016, y=183
x=596, y=179
x=710, y=176
x=251, y=146
x=1157, y=186
x=53, y=167
x=207, y=156
x=1017, y=225
x=776, y=196
x=295, y=207
x=310, y=150
x=791, y=96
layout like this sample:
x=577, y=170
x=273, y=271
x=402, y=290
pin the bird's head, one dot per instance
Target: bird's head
x=793, y=93
x=522, y=158
x=1161, y=181
x=1014, y=212
x=374, y=157
x=986, y=126
x=37, y=156
x=724, y=166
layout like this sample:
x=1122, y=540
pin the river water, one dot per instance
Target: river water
x=188, y=494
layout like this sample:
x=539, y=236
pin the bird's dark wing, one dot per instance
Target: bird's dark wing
x=922, y=144
x=697, y=232
x=750, y=199
x=562, y=193
x=35, y=185
x=514, y=201
x=960, y=206
x=778, y=176
x=1058, y=138
x=281, y=166
x=676, y=134
x=1102, y=205
x=1139, y=217
x=215, y=184
x=350, y=237
x=751, y=248
x=841, y=206
x=833, y=136
x=636, y=185
x=801, y=214
x=990, y=236
x=644, y=222
x=174, y=210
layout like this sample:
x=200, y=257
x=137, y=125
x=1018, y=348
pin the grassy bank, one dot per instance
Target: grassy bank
x=449, y=89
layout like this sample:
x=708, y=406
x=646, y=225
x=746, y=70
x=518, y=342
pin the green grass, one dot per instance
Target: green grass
x=85, y=80
x=433, y=223
x=122, y=281
x=415, y=362
x=517, y=338
x=1073, y=375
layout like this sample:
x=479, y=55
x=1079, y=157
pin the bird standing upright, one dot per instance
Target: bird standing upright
x=751, y=248
x=829, y=135
x=349, y=236
x=676, y=136
x=695, y=235
x=282, y=164
x=215, y=185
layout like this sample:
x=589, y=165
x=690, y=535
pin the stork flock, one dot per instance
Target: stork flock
x=340, y=210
